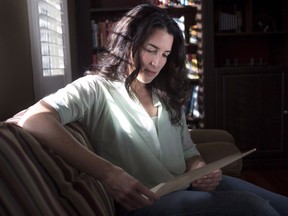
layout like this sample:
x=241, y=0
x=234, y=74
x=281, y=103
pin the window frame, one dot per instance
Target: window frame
x=44, y=85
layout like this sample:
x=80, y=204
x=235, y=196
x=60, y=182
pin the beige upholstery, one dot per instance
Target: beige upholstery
x=215, y=144
x=211, y=135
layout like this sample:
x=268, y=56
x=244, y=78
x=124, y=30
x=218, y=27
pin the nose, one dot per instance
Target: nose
x=155, y=61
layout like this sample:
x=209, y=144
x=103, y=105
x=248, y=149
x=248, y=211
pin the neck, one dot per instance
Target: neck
x=138, y=87
x=144, y=94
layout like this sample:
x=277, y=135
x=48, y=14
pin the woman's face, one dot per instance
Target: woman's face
x=153, y=55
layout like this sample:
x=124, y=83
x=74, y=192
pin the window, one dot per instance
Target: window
x=48, y=21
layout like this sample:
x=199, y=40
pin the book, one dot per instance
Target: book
x=187, y=178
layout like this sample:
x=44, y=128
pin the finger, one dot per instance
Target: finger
x=148, y=194
x=141, y=197
x=140, y=200
x=206, y=184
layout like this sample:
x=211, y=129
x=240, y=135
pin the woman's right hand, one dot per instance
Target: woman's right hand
x=127, y=190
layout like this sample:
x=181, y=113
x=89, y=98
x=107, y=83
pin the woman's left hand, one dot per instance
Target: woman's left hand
x=208, y=182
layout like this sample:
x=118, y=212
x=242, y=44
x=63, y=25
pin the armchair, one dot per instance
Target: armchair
x=35, y=181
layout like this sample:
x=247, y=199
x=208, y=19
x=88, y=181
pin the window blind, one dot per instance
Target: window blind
x=50, y=14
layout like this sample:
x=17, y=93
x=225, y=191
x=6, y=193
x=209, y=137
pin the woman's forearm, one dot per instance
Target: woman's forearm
x=43, y=123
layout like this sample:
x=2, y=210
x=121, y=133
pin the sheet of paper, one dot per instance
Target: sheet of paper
x=188, y=177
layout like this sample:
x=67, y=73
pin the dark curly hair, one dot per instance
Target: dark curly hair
x=126, y=39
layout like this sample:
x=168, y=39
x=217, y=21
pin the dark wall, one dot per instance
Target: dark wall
x=72, y=16
x=16, y=78
x=84, y=35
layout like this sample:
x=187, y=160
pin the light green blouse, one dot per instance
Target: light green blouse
x=122, y=132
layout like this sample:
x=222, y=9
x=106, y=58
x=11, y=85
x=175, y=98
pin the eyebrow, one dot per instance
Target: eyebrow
x=167, y=51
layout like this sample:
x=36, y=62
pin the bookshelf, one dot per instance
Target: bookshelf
x=246, y=73
x=104, y=13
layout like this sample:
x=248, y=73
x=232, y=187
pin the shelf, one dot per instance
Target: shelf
x=104, y=13
x=249, y=69
x=103, y=19
x=250, y=34
x=190, y=48
x=182, y=9
x=191, y=10
x=105, y=10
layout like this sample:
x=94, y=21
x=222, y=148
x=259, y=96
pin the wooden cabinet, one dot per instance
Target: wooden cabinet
x=250, y=106
x=246, y=79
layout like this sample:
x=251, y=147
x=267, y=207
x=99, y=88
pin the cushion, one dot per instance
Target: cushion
x=36, y=181
x=213, y=151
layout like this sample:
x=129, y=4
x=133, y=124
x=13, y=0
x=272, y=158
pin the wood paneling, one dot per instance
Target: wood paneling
x=250, y=106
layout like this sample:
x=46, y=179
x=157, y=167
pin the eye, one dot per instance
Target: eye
x=150, y=49
x=165, y=55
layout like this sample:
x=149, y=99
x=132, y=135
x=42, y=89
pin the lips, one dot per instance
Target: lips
x=150, y=72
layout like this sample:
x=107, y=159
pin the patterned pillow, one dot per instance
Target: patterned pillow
x=35, y=181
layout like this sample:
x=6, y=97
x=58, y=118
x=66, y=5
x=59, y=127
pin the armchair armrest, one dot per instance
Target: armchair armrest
x=211, y=135
x=214, y=144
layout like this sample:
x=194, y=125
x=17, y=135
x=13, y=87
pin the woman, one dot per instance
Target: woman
x=131, y=108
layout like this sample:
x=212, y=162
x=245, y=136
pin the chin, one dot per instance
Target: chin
x=144, y=81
